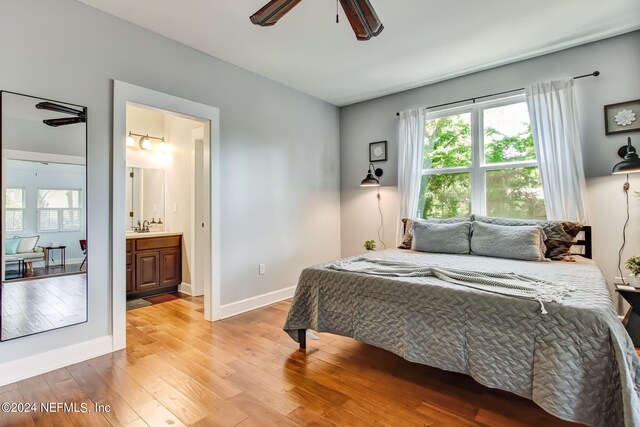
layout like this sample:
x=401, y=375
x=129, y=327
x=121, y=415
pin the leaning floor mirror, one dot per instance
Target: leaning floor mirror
x=44, y=263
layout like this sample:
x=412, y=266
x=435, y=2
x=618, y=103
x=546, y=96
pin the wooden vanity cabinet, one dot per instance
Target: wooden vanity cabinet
x=154, y=265
x=131, y=280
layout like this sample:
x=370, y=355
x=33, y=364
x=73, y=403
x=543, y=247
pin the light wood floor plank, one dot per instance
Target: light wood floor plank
x=11, y=419
x=36, y=390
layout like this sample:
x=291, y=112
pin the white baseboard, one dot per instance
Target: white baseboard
x=40, y=363
x=185, y=288
x=249, y=304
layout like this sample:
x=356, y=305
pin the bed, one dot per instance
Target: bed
x=575, y=361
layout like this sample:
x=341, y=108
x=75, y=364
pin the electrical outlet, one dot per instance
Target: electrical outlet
x=262, y=269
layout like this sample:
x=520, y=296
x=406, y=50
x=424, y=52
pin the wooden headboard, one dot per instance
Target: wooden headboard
x=586, y=242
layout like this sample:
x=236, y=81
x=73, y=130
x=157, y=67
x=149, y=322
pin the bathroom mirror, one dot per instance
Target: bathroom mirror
x=145, y=196
x=44, y=193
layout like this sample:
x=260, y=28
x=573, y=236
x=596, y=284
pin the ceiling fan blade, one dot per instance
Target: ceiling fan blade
x=363, y=18
x=64, y=121
x=51, y=106
x=272, y=12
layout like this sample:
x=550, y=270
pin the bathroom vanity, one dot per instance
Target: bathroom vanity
x=154, y=263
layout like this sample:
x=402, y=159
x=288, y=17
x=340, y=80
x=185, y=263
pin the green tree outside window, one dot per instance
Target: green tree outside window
x=512, y=191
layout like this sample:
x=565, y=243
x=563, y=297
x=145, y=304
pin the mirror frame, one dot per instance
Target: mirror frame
x=86, y=200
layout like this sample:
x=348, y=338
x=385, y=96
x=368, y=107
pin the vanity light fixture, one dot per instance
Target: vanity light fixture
x=145, y=141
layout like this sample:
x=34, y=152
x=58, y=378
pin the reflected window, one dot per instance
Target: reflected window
x=14, y=210
x=59, y=210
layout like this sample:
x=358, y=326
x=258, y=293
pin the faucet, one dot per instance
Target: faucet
x=145, y=226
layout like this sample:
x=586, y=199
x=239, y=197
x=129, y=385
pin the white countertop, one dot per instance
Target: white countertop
x=134, y=235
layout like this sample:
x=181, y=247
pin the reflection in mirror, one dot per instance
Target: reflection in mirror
x=44, y=263
x=145, y=197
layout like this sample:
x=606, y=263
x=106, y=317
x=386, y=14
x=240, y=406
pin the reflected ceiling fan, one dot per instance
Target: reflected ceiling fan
x=80, y=116
x=361, y=15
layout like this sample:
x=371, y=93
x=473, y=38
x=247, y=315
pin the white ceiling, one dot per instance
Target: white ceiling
x=424, y=41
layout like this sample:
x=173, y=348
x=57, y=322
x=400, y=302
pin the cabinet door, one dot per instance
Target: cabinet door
x=147, y=271
x=131, y=275
x=131, y=280
x=170, y=267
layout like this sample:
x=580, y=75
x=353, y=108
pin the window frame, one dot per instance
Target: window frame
x=60, y=212
x=23, y=209
x=478, y=168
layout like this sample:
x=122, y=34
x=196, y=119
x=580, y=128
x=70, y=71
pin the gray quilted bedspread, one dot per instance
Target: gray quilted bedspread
x=576, y=362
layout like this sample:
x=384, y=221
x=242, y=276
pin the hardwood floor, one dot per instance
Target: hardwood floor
x=32, y=306
x=245, y=371
x=53, y=270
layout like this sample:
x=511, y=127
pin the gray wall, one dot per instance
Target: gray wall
x=619, y=61
x=279, y=147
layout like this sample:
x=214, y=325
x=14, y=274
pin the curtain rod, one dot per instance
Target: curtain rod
x=594, y=74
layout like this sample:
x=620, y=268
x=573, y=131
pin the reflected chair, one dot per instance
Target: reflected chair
x=83, y=246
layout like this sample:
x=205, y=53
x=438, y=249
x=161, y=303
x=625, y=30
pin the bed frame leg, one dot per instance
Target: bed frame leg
x=302, y=338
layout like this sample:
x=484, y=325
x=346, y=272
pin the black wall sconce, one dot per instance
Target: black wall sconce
x=630, y=161
x=371, y=180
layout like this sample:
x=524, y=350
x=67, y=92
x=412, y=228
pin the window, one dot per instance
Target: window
x=14, y=210
x=481, y=159
x=59, y=210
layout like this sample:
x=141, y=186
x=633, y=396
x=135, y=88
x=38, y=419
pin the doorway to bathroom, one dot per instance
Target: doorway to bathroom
x=165, y=217
x=166, y=206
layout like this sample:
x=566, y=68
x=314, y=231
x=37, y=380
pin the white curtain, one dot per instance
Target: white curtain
x=556, y=136
x=410, y=157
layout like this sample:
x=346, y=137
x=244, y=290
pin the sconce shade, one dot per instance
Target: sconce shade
x=130, y=141
x=145, y=143
x=371, y=180
x=163, y=146
x=630, y=162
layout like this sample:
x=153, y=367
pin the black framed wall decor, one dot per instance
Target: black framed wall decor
x=378, y=151
x=622, y=117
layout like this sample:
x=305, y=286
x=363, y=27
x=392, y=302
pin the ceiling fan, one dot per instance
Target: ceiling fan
x=360, y=13
x=80, y=115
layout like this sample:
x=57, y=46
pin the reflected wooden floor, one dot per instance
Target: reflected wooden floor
x=32, y=306
x=54, y=270
x=245, y=371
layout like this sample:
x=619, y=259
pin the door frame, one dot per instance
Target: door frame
x=123, y=94
x=200, y=242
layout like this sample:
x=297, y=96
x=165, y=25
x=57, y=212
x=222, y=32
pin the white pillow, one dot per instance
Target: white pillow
x=28, y=244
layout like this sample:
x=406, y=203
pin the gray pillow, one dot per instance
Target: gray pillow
x=525, y=242
x=559, y=235
x=448, y=238
x=407, y=239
